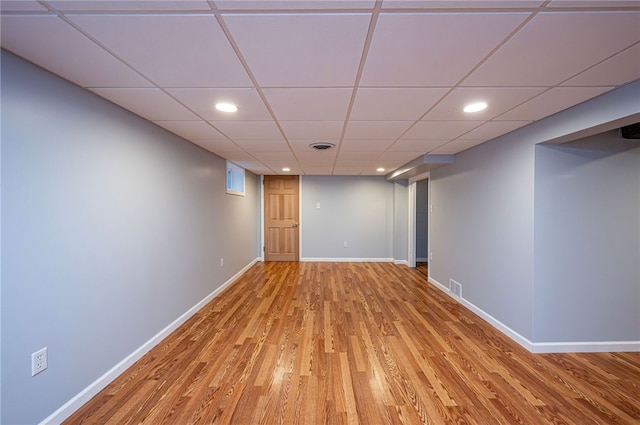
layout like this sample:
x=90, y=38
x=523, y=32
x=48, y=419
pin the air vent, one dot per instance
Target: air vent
x=631, y=131
x=322, y=146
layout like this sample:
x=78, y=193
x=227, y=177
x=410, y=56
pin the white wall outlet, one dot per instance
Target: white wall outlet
x=430, y=256
x=345, y=244
x=318, y=205
x=39, y=361
x=221, y=262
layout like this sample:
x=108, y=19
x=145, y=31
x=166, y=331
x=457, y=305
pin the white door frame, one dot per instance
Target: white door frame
x=411, y=228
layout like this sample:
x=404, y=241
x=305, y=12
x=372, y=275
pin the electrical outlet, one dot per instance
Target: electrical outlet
x=39, y=361
x=345, y=244
x=221, y=262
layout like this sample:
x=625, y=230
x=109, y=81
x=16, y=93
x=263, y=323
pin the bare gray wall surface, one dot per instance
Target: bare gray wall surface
x=489, y=218
x=356, y=210
x=482, y=230
x=587, y=248
x=112, y=228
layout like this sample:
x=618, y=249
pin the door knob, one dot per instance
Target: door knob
x=294, y=225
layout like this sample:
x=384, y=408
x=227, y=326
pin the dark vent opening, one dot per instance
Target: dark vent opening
x=631, y=131
x=322, y=146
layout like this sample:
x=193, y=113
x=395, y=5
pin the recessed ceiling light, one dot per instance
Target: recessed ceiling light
x=380, y=169
x=226, y=107
x=475, y=107
x=286, y=169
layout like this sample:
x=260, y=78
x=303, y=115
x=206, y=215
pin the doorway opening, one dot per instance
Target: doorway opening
x=422, y=226
x=419, y=247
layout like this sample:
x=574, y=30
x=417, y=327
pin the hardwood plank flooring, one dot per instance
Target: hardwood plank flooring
x=357, y=343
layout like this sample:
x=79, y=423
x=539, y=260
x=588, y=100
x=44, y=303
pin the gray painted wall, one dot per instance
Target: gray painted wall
x=587, y=249
x=482, y=230
x=483, y=220
x=112, y=228
x=358, y=210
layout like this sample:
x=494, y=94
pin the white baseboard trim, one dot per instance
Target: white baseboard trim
x=99, y=384
x=401, y=262
x=587, y=347
x=346, y=260
x=422, y=259
x=528, y=345
x=543, y=347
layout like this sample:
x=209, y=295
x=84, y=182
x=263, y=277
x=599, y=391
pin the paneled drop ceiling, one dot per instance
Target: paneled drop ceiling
x=385, y=81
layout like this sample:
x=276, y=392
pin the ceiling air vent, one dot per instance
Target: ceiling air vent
x=322, y=146
x=631, y=131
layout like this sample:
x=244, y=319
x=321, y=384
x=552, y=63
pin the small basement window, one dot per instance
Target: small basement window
x=235, y=179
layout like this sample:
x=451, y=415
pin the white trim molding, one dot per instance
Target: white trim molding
x=346, y=260
x=543, y=347
x=587, y=347
x=99, y=384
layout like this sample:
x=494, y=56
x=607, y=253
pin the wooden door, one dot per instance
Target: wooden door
x=281, y=218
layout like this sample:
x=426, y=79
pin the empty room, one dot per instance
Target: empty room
x=320, y=212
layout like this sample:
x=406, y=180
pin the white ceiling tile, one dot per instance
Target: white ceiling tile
x=22, y=6
x=312, y=130
x=248, y=130
x=317, y=171
x=388, y=164
x=264, y=145
x=299, y=145
x=309, y=104
x=401, y=156
x=219, y=146
x=192, y=130
x=149, y=103
x=552, y=101
x=365, y=145
x=618, y=70
x=51, y=43
x=555, y=46
x=439, y=130
x=293, y=4
x=353, y=163
x=296, y=50
x=251, y=164
x=320, y=157
x=317, y=162
x=394, y=104
x=154, y=44
x=135, y=5
x=459, y=4
x=353, y=155
x=278, y=165
x=376, y=130
x=594, y=3
x=348, y=170
x=499, y=100
x=268, y=157
x=408, y=49
x=415, y=145
x=456, y=146
x=493, y=129
x=238, y=156
x=203, y=101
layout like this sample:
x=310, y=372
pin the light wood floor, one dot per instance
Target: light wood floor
x=348, y=343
